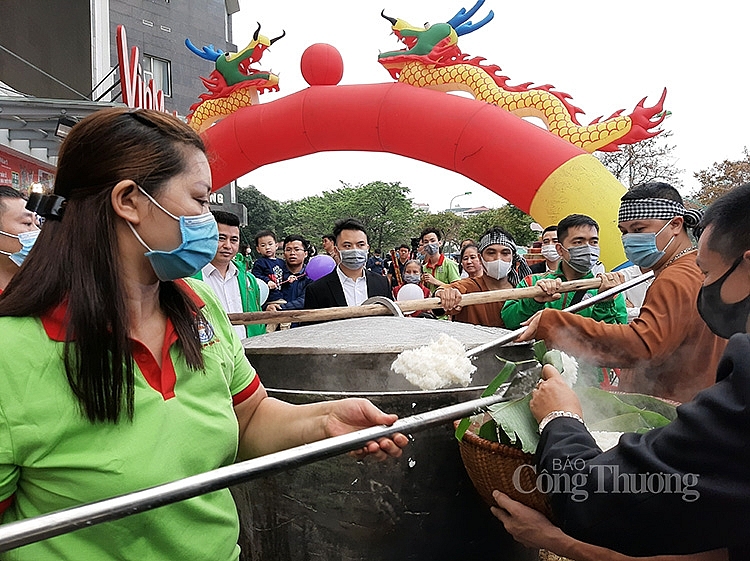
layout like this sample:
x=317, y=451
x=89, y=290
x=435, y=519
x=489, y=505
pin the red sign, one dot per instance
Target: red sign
x=135, y=93
x=19, y=171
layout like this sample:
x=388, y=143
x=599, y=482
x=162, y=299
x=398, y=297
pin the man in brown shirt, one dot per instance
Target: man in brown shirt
x=502, y=268
x=668, y=351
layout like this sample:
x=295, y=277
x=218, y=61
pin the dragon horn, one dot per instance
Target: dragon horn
x=462, y=15
x=392, y=20
x=283, y=34
x=208, y=53
x=468, y=27
x=257, y=32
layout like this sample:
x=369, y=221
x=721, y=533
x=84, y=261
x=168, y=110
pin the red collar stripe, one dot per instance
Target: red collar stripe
x=161, y=379
x=439, y=262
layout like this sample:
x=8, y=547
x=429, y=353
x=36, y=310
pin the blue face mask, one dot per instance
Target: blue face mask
x=641, y=249
x=27, y=240
x=200, y=240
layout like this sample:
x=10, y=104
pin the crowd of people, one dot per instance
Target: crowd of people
x=637, y=345
x=115, y=355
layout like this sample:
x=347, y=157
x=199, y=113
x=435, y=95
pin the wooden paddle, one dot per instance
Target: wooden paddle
x=328, y=314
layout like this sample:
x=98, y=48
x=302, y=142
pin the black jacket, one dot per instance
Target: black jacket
x=704, y=454
x=327, y=292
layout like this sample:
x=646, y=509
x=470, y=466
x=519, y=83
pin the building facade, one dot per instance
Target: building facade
x=58, y=63
x=69, y=52
x=159, y=28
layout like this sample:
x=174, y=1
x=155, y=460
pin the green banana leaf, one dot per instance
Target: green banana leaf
x=494, y=385
x=600, y=405
x=629, y=422
x=513, y=424
x=602, y=410
x=517, y=423
x=650, y=403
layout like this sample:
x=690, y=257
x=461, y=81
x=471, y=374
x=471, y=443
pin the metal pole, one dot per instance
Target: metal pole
x=513, y=335
x=450, y=206
x=24, y=532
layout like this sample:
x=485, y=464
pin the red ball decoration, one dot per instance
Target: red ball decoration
x=322, y=65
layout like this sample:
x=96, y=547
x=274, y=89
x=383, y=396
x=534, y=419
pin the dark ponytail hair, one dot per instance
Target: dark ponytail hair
x=75, y=259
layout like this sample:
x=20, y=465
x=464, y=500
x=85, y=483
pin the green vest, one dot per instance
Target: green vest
x=249, y=294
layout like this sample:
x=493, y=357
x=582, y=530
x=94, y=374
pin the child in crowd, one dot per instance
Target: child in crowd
x=267, y=267
x=413, y=275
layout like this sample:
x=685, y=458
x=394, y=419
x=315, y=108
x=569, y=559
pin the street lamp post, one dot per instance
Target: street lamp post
x=450, y=206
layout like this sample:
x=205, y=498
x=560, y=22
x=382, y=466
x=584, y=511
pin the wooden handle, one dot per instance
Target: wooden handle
x=328, y=314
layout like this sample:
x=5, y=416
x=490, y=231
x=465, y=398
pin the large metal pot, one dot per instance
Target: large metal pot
x=420, y=507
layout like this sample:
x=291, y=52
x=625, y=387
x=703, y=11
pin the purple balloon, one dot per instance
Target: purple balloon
x=319, y=266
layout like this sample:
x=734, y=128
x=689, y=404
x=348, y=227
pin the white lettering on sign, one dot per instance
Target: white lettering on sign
x=216, y=198
x=135, y=93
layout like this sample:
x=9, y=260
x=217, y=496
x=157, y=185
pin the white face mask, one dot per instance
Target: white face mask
x=497, y=269
x=550, y=253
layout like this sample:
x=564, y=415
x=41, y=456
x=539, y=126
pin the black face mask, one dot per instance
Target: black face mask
x=723, y=319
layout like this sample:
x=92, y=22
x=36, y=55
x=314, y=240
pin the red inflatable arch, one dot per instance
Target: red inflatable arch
x=533, y=169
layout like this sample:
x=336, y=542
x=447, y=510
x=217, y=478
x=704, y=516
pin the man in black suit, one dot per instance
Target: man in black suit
x=349, y=284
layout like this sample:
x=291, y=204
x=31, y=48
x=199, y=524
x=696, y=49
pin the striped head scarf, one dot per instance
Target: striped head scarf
x=520, y=268
x=657, y=209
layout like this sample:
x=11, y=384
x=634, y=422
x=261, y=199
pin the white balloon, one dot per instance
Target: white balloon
x=263, y=289
x=410, y=292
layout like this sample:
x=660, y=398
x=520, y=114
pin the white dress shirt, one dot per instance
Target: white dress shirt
x=355, y=292
x=227, y=290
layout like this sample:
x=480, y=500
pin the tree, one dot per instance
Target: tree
x=508, y=217
x=722, y=177
x=384, y=208
x=648, y=160
x=449, y=223
x=386, y=211
x=314, y=216
x=262, y=213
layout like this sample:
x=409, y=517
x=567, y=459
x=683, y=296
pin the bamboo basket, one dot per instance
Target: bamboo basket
x=546, y=555
x=492, y=465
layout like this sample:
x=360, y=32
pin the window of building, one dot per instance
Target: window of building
x=160, y=70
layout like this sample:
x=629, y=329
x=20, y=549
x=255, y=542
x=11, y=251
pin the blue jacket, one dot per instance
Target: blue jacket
x=294, y=292
x=267, y=269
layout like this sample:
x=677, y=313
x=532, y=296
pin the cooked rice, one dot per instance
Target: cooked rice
x=570, y=369
x=606, y=439
x=440, y=364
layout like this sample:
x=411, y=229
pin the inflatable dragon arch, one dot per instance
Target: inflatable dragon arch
x=432, y=59
x=546, y=173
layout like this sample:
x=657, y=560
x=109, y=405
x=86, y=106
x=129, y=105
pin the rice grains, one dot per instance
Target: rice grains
x=440, y=364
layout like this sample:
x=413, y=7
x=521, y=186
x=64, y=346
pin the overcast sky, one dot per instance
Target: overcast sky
x=607, y=55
